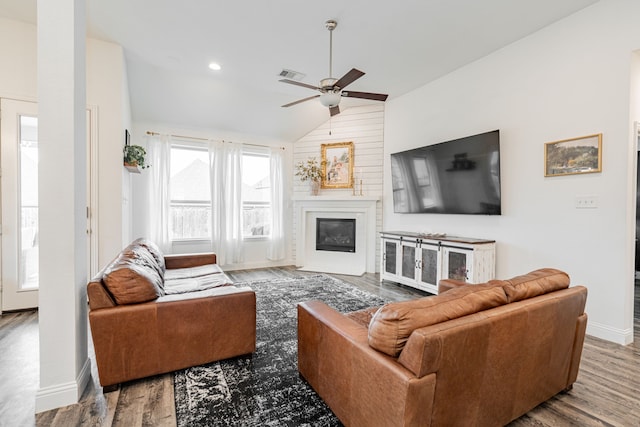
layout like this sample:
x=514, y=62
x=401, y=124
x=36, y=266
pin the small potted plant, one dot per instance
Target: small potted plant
x=134, y=157
x=310, y=171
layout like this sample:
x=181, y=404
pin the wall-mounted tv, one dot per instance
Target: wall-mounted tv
x=461, y=176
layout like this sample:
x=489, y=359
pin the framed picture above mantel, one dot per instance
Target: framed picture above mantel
x=337, y=165
x=573, y=156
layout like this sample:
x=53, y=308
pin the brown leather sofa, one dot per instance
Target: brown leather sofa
x=475, y=355
x=152, y=313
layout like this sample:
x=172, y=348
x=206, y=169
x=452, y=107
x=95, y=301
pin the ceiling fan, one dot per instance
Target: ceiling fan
x=331, y=89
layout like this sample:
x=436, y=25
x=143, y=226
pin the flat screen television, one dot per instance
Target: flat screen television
x=461, y=176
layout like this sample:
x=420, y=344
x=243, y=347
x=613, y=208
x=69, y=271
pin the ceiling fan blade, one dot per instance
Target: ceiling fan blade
x=293, y=82
x=365, y=95
x=301, y=100
x=349, y=78
x=334, y=110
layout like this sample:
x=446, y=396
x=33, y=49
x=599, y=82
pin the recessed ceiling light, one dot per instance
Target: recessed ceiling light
x=215, y=66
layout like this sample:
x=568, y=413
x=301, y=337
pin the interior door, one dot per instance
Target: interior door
x=19, y=196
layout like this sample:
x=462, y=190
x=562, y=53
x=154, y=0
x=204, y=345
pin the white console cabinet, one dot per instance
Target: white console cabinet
x=420, y=260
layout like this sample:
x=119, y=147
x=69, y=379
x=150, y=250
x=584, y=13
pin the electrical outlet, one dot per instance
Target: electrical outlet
x=586, y=202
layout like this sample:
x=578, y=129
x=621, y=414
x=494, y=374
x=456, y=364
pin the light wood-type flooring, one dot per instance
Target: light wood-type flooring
x=607, y=392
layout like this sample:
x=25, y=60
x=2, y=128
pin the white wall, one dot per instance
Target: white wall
x=18, y=60
x=570, y=79
x=364, y=126
x=255, y=251
x=107, y=89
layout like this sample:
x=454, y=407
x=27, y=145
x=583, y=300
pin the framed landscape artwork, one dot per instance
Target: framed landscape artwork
x=573, y=156
x=337, y=165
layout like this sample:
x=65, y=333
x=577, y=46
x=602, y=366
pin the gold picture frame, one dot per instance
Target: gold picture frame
x=573, y=156
x=337, y=165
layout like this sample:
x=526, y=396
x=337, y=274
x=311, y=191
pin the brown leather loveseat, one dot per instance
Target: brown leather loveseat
x=152, y=313
x=475, y=355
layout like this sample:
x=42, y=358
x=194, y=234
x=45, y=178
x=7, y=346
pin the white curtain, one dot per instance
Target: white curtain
x=225, y=163
x=159, y=157
x=276, y=248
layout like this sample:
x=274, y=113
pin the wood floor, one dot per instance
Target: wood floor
x=607, y=392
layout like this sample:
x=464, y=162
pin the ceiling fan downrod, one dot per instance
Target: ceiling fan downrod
x=331, y=25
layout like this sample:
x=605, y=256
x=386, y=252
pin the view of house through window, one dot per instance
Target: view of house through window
x=190, y=214
x=256, y=195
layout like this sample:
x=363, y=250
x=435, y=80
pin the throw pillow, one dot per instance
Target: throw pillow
x=535, y=283
x=131, y=279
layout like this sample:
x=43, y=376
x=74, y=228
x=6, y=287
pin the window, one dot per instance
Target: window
x=190, y=206
x=256, y=195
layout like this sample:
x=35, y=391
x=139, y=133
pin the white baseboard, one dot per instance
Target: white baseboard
x=59, y=395
x=260, y=264
x=618, y=336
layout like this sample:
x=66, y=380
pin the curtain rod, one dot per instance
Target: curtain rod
x=152, y=133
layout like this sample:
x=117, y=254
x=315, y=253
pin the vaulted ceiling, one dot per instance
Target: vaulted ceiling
x=400, y=45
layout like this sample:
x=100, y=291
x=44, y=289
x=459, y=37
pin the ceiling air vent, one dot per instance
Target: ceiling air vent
x=291, y=75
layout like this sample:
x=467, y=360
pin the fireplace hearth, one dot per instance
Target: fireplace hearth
x=336, y=234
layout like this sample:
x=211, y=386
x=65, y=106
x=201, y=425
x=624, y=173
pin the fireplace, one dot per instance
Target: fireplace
x=336, y=234
x=359, y=211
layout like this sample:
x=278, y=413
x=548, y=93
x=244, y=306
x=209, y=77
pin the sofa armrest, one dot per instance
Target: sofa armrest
x=336, y=360
x=189, y=260
x=581, y=329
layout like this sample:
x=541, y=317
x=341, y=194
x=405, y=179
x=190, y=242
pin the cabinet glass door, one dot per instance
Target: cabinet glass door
x=390, y=257
x=429, y=264
x=457, y=265
x=409, y=261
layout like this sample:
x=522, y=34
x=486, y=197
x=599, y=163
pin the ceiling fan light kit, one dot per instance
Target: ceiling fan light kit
x=331, y=89
x=330, y=99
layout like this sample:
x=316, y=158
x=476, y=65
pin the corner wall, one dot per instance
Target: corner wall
x=365, y=127
x=567, y=80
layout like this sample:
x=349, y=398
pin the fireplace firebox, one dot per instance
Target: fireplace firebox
x=336, y=234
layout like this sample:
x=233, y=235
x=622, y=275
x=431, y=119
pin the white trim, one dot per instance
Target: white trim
x=59, y=395
x=618, y=336
x=92, y=184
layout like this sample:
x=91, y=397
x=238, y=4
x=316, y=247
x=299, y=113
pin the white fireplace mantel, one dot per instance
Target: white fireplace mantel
x=362, y=208
x=323, y=198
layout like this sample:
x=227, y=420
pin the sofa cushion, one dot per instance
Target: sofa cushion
x=393, y=323
x=194, y=279
x=133, y=277
x=535, y=283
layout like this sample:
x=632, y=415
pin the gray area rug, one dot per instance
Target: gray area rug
x=265, y=389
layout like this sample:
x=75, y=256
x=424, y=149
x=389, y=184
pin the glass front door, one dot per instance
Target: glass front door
x=19, y=186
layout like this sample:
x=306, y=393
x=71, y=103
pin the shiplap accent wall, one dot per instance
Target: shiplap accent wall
x=364, y=126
